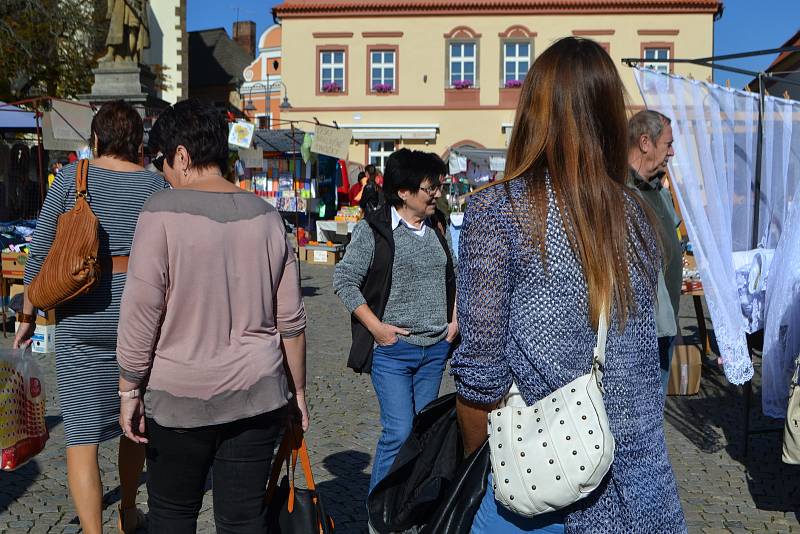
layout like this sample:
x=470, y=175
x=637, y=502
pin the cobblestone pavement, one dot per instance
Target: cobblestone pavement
x=721, y=489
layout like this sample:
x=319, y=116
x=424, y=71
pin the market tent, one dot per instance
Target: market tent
x=479, y=165
x=279, y=140
x=15, y=118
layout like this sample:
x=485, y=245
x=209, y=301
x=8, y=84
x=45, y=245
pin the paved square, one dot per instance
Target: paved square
x=721, y=489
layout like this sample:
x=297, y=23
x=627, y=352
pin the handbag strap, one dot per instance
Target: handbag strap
x=281, y=458
x=602, y=336
x=796, y=376
x=81, y=179
x=290, y=448
x=599, y=361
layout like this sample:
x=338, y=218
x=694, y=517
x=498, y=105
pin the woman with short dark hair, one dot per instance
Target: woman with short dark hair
x=86, y=327
x=398, y=281
x=211, y=312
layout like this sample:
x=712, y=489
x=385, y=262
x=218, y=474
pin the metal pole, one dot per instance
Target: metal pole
x=759, y=157
x=269, y=104
x=296, y=215
x=39, y=153
x=748, y=387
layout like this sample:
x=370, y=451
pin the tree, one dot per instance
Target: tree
x=48, y=47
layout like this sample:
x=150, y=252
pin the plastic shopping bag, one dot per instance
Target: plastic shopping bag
x=23, y=432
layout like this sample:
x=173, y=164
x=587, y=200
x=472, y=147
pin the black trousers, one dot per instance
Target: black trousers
x=240, y=455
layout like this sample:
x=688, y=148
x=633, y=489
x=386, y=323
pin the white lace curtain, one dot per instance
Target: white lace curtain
x=713, y=172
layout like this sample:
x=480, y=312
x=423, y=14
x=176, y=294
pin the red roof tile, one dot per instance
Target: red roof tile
x=305, y=8
x=793, y=41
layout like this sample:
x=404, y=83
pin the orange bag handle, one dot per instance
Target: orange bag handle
x=294, y=445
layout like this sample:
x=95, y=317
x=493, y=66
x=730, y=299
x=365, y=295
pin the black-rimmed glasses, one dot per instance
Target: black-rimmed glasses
x=432, y=190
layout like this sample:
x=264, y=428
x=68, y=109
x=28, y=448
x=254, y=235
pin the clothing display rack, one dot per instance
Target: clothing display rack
x=713, y=63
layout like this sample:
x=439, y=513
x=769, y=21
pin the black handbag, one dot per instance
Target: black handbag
x=293, y=510
x=430, y=486
x=463, y=498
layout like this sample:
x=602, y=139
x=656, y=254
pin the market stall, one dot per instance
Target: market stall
x=736, y=173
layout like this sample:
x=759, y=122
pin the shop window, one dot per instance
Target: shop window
x=657, y=53
x=379, y=152
x=383, y=71
x=516, y=61
x=463, y=62
x=332, y=67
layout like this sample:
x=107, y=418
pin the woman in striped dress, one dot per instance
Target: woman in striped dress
x=86, y=327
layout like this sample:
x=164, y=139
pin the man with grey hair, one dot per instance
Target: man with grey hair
x=649, y=149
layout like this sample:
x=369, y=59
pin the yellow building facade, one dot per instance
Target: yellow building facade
x=444, y=73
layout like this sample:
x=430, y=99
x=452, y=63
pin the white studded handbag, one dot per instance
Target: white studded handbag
x=556, y=452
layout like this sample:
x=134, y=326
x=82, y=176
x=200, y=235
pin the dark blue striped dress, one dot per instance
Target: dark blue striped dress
x=86, y=327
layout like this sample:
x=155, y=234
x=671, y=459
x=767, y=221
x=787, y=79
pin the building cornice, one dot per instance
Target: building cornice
x=368, y=8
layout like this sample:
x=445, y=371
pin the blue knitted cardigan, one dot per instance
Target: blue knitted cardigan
x=522, y=323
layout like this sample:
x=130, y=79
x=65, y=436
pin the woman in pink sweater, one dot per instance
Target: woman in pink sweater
x=211, y=318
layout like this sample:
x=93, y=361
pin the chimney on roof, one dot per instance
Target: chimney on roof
x=244, y=33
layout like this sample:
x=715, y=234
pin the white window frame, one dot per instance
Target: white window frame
x=383, y=66
x=381, y=155
x=451, y=60
x=333, y=65
x=516, y=59
x=659, y=67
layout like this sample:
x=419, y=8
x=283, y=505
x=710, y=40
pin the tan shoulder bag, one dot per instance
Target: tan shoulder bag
x=791, y=430
x=71, y=267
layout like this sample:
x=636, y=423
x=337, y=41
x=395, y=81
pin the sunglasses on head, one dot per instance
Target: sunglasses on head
x=158, y=162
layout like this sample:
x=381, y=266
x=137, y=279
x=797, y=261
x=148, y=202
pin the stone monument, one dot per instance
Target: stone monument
x=120, y=73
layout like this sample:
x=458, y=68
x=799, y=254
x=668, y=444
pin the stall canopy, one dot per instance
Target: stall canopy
x=279, y=140
x=15, y=118
x=478, y=164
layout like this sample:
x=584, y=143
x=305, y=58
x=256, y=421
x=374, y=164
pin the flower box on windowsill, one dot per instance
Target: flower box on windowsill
x=382, y=89
x=331, y=88
x=466, y=97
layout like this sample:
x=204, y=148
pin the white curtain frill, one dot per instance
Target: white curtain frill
x=713, y=171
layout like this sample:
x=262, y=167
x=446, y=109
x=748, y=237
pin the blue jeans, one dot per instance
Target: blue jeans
x=406, y=378
x=665, y=346
x=493, y=518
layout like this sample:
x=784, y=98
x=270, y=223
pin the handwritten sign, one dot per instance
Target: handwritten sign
x=333, y=142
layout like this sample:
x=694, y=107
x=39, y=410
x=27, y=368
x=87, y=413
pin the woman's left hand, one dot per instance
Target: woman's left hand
x=131, y=419
x=452, y=332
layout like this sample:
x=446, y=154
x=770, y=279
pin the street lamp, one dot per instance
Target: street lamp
x=249, y=107
x=285, y=102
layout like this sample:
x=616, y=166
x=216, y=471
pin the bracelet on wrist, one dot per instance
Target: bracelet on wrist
x=26, y=317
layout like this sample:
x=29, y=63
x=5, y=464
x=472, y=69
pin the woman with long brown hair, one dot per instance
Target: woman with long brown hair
x=543, y=255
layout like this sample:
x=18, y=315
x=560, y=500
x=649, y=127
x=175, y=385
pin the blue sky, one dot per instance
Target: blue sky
x=745, y=25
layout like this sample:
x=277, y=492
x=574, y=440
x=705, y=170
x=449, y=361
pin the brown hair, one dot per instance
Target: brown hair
x=571, y=125
x=119, y=130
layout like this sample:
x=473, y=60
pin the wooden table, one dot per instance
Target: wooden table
x=702, y=331
x=13, y=267
x=5, y=284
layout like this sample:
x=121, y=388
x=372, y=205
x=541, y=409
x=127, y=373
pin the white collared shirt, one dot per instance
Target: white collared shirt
x=397, y=219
